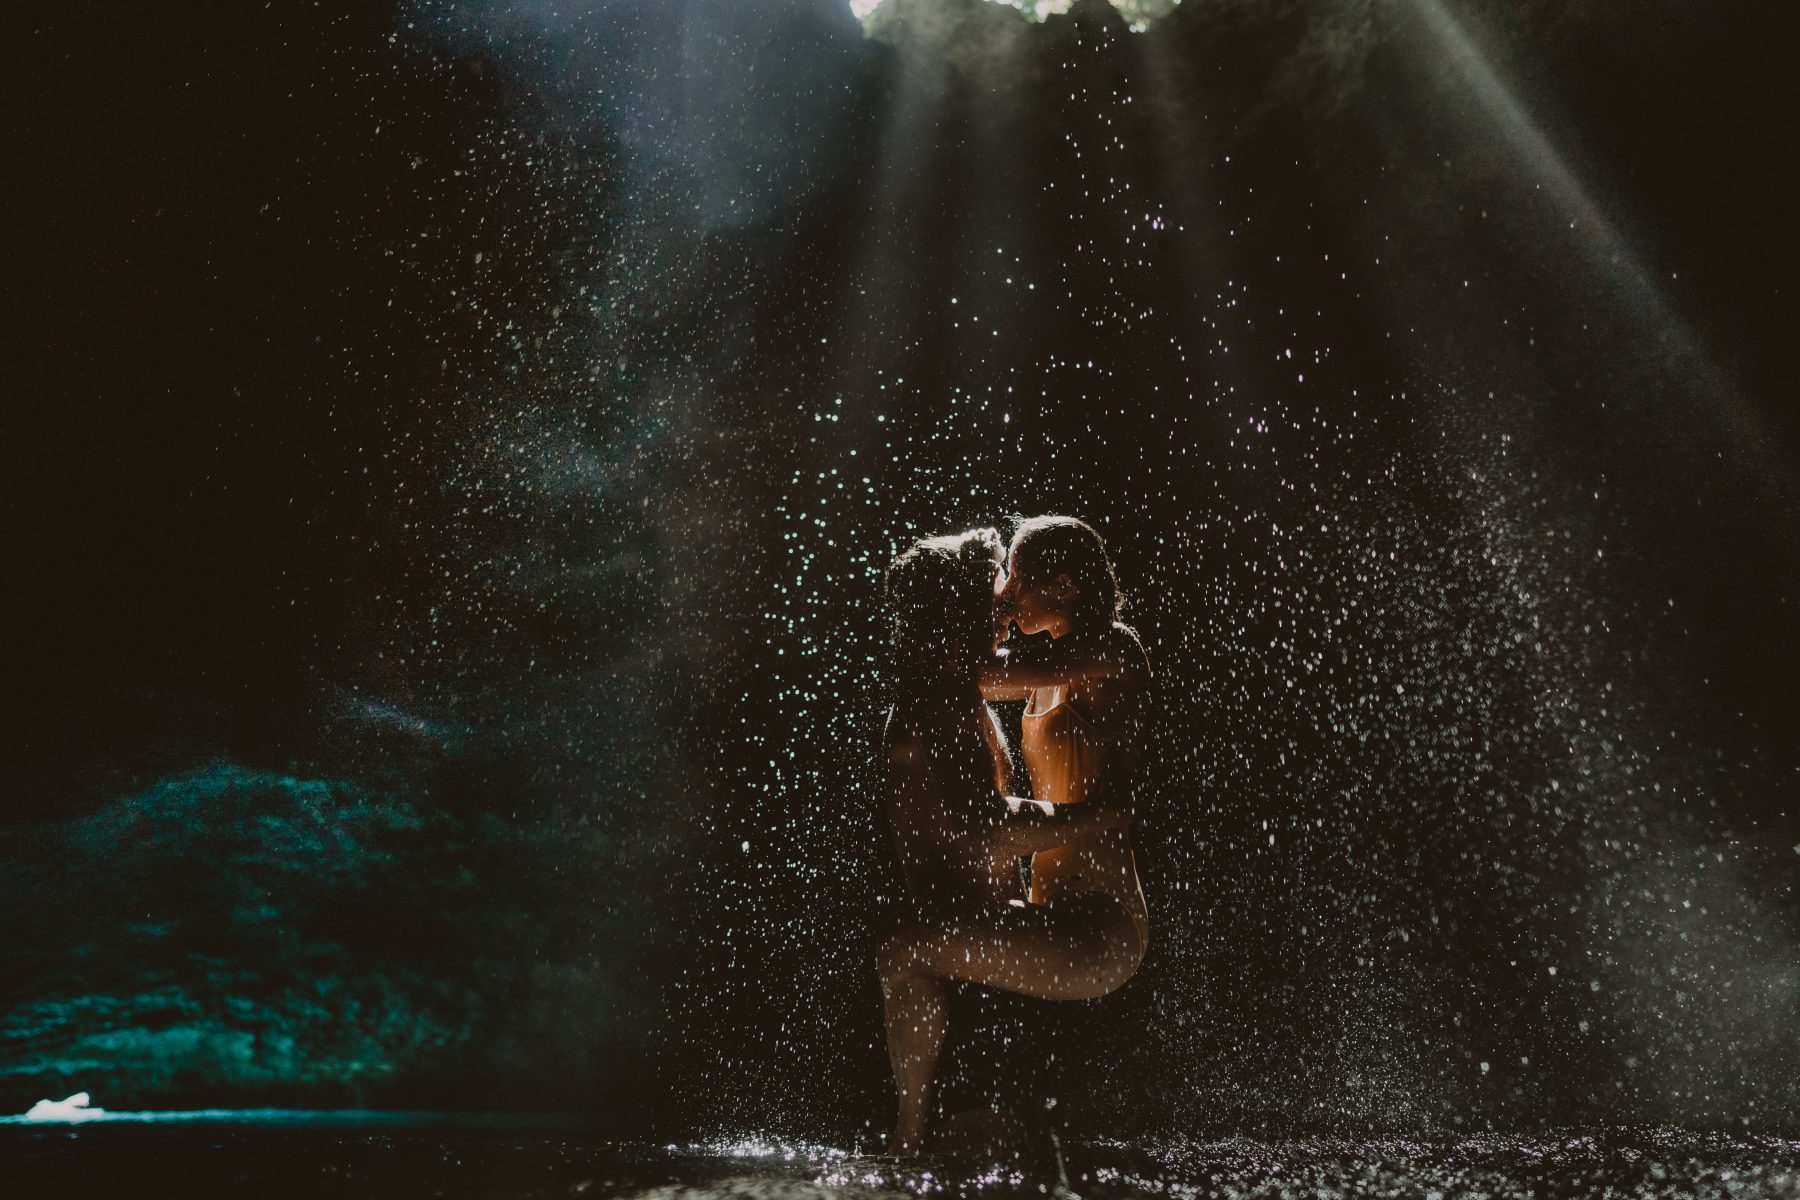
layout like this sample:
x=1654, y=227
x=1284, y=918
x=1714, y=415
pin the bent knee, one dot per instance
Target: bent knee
x=1105, y=977
x=1126, y=963
x=1116, y=963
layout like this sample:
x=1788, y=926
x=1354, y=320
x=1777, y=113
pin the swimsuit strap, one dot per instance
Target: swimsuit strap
x=1092, y=727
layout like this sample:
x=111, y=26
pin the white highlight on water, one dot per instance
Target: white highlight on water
x=75, y=1108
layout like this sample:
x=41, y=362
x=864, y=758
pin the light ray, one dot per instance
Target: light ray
x=1606, y=249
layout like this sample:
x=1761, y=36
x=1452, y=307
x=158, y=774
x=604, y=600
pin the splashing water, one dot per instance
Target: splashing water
x=654, y=338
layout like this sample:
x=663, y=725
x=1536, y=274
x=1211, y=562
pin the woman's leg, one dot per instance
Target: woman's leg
x=914, y=1005
x=1083, y=948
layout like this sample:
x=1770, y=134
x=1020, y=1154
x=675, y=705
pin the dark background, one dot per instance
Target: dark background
x=454, y=448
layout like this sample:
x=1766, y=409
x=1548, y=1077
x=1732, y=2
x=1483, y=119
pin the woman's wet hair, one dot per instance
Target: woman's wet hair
x=940, y=591
x=1054, y=545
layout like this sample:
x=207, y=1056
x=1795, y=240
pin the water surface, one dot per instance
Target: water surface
x=392, y=1155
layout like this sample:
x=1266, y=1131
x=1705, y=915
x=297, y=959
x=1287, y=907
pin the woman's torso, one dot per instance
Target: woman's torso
x=1077, y=741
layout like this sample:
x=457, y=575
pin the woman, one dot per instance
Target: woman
x=947, y=771
x=1087, y=700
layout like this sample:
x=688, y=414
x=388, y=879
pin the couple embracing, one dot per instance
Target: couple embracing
x=1079, y=929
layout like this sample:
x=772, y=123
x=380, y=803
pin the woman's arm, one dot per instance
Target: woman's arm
x=1072, y=659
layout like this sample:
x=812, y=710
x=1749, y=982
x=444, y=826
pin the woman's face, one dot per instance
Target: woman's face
x=1034, y=605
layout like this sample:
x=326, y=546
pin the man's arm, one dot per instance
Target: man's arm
x=1033, y=825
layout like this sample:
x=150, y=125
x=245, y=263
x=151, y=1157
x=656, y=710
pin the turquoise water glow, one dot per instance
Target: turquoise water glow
x=308, y=1118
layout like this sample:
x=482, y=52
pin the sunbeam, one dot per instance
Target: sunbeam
x=1715, y=396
